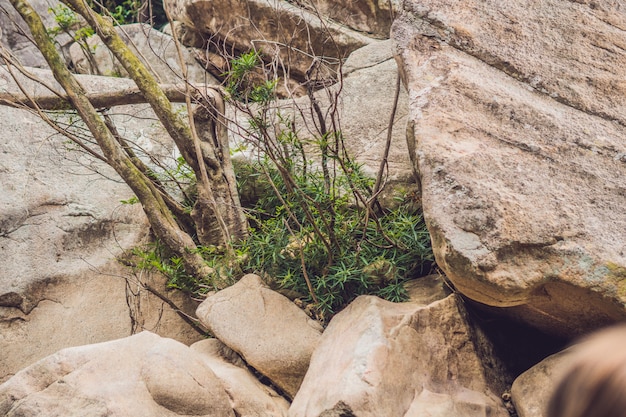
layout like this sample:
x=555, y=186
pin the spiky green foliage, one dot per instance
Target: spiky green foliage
x=365, y=255
x=316, y=227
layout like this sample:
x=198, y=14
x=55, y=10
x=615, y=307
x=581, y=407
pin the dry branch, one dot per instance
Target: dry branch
x=98, y=99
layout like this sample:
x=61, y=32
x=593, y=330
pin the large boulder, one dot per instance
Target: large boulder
x=532, y=390
x=142, y=375
x=156, y=50
x=365, y=107
x=271, y=334
x=249, y=397
x=62, y=228
x=517, y=131
x=373, y=17
x=13, y=31
x=378, y=358
x=302, y=37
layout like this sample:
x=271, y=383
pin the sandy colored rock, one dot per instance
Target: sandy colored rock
x=378, y=358
x=516, y=129
x=273, y=335
x=265, y=25
x=373, y=17
x=142, y=375
x=248, y=396
x=532, y=390
x=572, y=52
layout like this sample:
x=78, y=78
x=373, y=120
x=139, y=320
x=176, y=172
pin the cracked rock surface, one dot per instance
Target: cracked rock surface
x=269, y=332
x=62, y=225
x=378, y=358
x=275, y=23
x=517, y=130
x=142, y=375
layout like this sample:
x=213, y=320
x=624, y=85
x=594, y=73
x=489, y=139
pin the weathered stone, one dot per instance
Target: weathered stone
x=378, y=358
x=156, y=50
x=363, y=112
x=370, y=16
x=266, y=26
x=517, y=132
x=365, y=107
x=12, y=34
x=273, y=335
x=573, y=52
x=249, y=397
x=142, y=375
x=426, y=290
x=532, y=390
x=62, y=225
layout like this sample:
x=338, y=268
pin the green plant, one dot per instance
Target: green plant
x=318, y=242
x=121, y=11
x=245, y=82
x=130, y=201
x=315, y=225
x=64, y=17
x=368, y=257
x=126, y=12
x=318, y=229
x=68, y=22
x=155, y=257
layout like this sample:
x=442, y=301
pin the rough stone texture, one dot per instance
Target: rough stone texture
x=366, y=102
x=364, y=108
x=263, y=24
x=532, y=390
x=249, y=397
x=142, y=375
x=373, y=17
x=273, y=335
x=61, y=228
x=426, y=290
x=517, y=131
x=378, y=358
x=156, y=50
x=12, y=28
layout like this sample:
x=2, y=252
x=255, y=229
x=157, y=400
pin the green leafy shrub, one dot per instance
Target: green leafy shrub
x=372, y=256
x=245, y=80
x=67, y=21
x=121, y=11
x=316, y=227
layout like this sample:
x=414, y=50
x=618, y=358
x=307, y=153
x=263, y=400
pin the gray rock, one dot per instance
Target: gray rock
x=13, y=28
x=156, y=50
x=271, y=334
x=365, y=106
x=378, y=358
x=426, y=290
x=517, y=133
x=62, y=227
